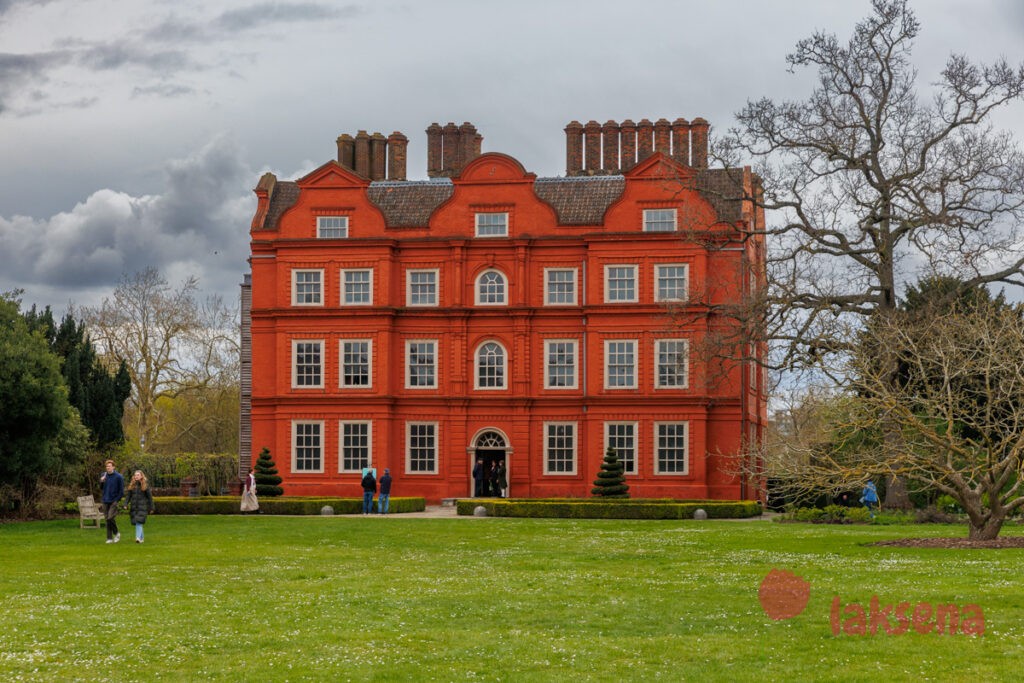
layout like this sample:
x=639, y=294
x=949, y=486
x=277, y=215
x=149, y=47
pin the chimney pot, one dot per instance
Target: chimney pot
x=627, y=133
x=592, y=143
x=574, y=148
x=362, y=154
x=610, y=148
x=433, y=150
x=681, y=141
x=397, y=144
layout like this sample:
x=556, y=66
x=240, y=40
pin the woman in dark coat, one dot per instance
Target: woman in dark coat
x=139, y=498
x=502, y=480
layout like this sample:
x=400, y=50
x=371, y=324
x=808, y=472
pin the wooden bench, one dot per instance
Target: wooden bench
x=88, y=511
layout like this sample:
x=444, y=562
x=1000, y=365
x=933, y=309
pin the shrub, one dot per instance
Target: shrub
x=933, y=515
x=858, y=515
x=231, y=505
x=611, y=480
x=610, y=509
x=809, y=515
x=948, y=504
x=267, y=480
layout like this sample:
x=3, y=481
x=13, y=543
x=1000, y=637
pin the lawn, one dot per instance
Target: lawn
x=354, y=598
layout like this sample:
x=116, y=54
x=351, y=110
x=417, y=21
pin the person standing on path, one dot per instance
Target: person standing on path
x=369, y=488
x=249, y=501
x=113, y=492
x=140, y=502
x=384, y=500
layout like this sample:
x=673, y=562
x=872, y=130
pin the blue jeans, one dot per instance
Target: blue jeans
x=367, y=502
x=382, y=503
x=138, y=532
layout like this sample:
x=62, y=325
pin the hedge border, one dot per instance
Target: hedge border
x=231, y=505
x=637, y=508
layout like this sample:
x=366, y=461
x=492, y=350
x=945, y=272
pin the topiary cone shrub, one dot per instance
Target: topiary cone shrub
x=266, y=476
x=611, y=480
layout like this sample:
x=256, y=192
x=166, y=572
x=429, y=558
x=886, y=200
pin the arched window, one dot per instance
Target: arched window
x=490, y=440
x=490, y=289
x=490, y=366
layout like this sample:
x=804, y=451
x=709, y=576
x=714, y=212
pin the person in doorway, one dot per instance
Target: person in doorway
x=384, y=500
x=492, y=479
x=249, y=501
x=502, y=479
x=140, y=502
x=870, y=498
x=478, y=478
x=113, y=492
x=369, y=488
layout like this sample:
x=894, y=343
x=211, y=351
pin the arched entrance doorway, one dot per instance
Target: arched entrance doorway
x=489, y=450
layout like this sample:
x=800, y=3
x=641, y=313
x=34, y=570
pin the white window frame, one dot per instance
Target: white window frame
x=547, y=447
x=343, y=273
x=408, y=447
x=635, y=436
x=658, y=277
x=607, y=357
x=295, y=446
x=295, y=364
x=325, y=231
x=341, y=444
x=607, y=284
x=486, y=224
x=656, y=445
x=409, y=285
x=548, y=291
x=408, y=365
x=504, y=288
x=659, y=218
x=685, y=363
x=575, y=363
x=342, y=365
x=319, y=286
x=503, y=369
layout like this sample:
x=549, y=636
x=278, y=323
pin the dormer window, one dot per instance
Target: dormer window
x=331, y=227
x=659, y=220
x=492, y=225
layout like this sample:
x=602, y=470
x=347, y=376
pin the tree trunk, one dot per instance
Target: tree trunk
x=896, y=495
x=987, y=531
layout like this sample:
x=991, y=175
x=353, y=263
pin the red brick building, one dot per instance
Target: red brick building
x=487, y=313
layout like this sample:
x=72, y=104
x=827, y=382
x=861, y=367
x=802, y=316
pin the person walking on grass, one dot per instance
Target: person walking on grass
x=369, y=488
x=113, y=492
x=384, y=500
x=870, y=498
x=140, y=502
x=249, y=501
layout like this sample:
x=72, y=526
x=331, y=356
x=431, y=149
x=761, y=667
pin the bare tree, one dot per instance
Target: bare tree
x=871, y=186
x=171, y=343
x=958, y=406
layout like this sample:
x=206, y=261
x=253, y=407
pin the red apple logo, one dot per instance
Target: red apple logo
x=783, y=594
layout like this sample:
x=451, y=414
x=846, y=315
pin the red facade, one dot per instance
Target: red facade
x=487, y=313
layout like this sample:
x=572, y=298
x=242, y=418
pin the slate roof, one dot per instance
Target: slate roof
x=408, y=204
x=723, y=188
x=284, y=196
x=580, y=200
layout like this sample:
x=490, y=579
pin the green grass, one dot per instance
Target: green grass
x=353, y=598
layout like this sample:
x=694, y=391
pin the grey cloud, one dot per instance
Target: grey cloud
x=197, y=225
x=280, y=13
x=165, y=90
x=19, y=69
x=116, y=55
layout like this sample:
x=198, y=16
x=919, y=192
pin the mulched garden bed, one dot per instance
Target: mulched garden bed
x=1003, y=542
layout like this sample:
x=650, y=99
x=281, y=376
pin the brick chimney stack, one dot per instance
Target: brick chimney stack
x=681, y=141
x=346, y=151
x=450, y=148
x=596, y=149
x=574, y=148
x=610, y=148
x=362, y=155
x=397, y=148
x=628, y=136
x=378, y=156
x=699, y=143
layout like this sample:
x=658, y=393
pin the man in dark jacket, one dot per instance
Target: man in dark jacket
x=113, y=492
x=478, y=478
x=369, y=488
x=385, y=492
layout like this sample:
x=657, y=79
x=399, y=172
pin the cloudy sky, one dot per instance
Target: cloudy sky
x=133, y=131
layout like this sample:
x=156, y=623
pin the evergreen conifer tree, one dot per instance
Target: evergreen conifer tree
x=265, y=472
x=610, y=482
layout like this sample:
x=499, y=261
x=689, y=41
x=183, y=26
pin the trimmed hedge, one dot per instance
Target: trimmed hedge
x=231, y=505
x=636, y=508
